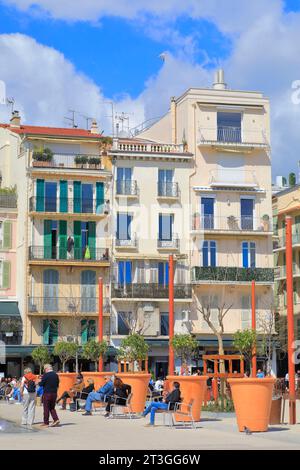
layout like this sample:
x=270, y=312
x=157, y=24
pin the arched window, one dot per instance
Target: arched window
x=50, y=281
x=88, y=291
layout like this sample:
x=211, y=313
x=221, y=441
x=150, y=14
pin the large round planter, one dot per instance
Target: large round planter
x=66, y=381
x=192, y=387
x=139, y=383
x=252, y=400
x=98, y=378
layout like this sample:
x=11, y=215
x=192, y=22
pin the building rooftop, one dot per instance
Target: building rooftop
x=52, y=131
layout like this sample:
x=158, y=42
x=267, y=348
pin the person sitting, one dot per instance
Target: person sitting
x=101, y=395
x=169, y=403
x=77, y=387
x=83, y=394
x=120, y=395
x=3, y=385
x=260, y=374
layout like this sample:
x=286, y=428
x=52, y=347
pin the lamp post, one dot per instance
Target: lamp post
x=253, y=326
x=100, y=321
x=290, y=319
x=171, y=315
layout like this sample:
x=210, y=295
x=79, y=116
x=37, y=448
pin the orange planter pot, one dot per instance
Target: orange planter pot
x=191, y=387
x=252, y=400
x=98, y=378
x=66, y=381
x=139, y=383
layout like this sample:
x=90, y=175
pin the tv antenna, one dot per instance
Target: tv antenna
x=87, y=119
x=72, y=118
x=10, y=102
x=123, y=118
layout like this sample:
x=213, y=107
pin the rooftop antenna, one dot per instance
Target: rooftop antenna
x=72, y=118
x=87, y=119
x=112, y=115
x=122, y=118
x=10, y=102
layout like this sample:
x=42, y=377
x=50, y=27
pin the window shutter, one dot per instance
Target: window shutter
x=63, y=196
x=46, y=331
x=40, y=195
x=84, y=331
x=6, y=274
x=92, y=329
x=62, y=239
x=47, y=239
x=7, y=230
x=77, y=240
x=53, y=331
x=99, y=197
x=77, y=196
x=92, y=239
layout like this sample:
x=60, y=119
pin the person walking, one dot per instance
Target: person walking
x=50, y=383
x=28, y=394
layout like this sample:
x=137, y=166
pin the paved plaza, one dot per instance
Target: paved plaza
x=215, y=431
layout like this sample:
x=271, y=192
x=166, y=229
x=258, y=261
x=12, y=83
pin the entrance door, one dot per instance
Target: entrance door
x=161, y=369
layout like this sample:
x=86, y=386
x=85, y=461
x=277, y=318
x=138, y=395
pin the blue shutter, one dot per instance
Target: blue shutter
x=213, y=253
x=128, y=232
x=121, y=272
x=205, y=253
x=167, y=273
x=245, y=254
x=128, y=269
x=160, y=227
x=161, y=273
x=252, y=254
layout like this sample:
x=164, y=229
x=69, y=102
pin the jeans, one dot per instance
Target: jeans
x=93, y=396
x=154, y=405
x=28, y=408
x=17, y=395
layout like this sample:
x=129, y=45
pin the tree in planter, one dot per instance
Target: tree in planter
x=41, y=356
x=133, y=349
x=93, y=350
x=184, y=346
x=43, y=155
x=81, y=160
x=65, y=351
x=134, y=322
x=266, y=329
x=245, y=342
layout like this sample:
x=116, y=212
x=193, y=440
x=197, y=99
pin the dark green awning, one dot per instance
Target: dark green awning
x=9, y=309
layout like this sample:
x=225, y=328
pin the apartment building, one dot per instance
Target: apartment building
x=151, y=221
x=63, y=184
x=228, y=133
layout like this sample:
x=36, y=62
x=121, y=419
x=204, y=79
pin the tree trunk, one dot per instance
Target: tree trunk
x=222, y=370
x=63, y=364
x=96, y=366
x=76, y=362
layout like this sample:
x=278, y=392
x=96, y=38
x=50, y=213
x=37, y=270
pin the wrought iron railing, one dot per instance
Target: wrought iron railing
x=68, y=160
x=127, y=242
x=229, y=134
x=167, y=189
x=172, y=244
x=61, y=253
x=8, y=200
x=127, y=188
x=231, y=223
x=151, y=291
x=68, y=305
x=67, y=205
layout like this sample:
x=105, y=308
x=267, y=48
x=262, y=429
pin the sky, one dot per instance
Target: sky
x=83, y=55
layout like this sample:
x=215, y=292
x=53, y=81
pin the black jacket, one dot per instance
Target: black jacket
x=173, y=397
x=50, y=382
x=123, y=391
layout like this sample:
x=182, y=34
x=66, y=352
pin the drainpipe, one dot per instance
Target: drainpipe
x=173, y=121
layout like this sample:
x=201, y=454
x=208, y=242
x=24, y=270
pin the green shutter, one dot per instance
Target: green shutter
x=62, y=239
x=46, y=331
x=40, y=195
x=53, y=331
x=84, y=331
x=99, y=198
x=5, y=274
x=63, y=196
x=7, y=230
x=92, y=239
x=77, y=240
x=77, y=196
x=47, y=239
x=92, y=329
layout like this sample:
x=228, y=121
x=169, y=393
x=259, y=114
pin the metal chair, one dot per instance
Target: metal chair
x=126, y=406
x=168, y=412
x=186, y=410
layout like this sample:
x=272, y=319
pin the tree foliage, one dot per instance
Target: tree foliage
x=65, y=351
x=133, y=348
x=245, y=341
x=41, y=356
x=93, y=350
x=184, y=346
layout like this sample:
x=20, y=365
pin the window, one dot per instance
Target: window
x=50, y=287
x=163, y=274
x=247, y=208
x=229, y=127
x=165, y=182
x=1, y=234
x=165, y=227
x=122, y=327
x=5, y=272
x=124, y=226
x=124, y=181
x=140, y=272
x=248, y=254
x=88, y=330
x=50, y=331
x=88, y=291
x=164, y=324
x=83, y=197
x=207, y=211
x=50, y=196
x=246, y=312
x=124, y=272
x=209, y=253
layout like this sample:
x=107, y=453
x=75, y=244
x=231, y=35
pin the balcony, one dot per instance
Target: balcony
x=127, y=188
x=231, y=177
x=222, y=274
x=280, y=272
x=232, y=223
x=234, y=137
x=172, y=244
x=75, y=306
x=130, y=243
x=149, y=291
x=279, y=243
x=8, y=201
x=167, y=190
x=67, y=206
x=60, y=254
x=70, y=161
x=142, y=147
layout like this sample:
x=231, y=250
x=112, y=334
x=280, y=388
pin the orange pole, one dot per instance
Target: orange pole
x=171, y=315
x=253, y=326
x=290, y=319
x=100, y=322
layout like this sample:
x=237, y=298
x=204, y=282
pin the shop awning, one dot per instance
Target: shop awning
x=9, y=309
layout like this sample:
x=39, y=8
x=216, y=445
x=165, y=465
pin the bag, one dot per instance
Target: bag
x=30, y=385
x=73, y=407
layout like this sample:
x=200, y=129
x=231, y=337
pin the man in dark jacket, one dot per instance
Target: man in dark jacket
x=49, y=382
x=169, y=403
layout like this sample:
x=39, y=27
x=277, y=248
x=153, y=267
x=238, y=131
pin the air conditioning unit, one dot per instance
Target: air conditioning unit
x=185, y=315
x=148, y=308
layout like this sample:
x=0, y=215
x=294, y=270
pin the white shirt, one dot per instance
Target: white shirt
x=159, y=385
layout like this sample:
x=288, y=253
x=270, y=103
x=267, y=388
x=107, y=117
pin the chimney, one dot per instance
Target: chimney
x=219, y=83
x=94, y=127
x=15, y=120
x=173, y=120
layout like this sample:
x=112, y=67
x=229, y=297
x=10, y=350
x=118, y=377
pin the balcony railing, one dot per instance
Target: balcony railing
x=67, y=205
x=8, y=200
x=127, y=243
x=229, y=135
x=61, y=253
x=232, y=177
x=167, y=189
x=231, y=223
x=68, y=160
x=232, y=274
x=127, y=188
x=280, y=241
x=172, y=244
x=280, y=271
x=68, y=305
x=150, y=291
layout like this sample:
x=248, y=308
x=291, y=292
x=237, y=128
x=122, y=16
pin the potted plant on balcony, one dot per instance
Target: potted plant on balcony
x=94, y=162
x=252, y=396
x=81, y=161
x=42, y=157
x=193, y=387
x=132, y=353
x=92, y=351
x=65, y=350
x=266, y=222
x=41, y=356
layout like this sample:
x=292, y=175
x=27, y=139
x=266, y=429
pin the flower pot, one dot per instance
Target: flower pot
x=191, y=387
x=252, y=398
x=139, y=383
x=66, y=381
x=98, y=378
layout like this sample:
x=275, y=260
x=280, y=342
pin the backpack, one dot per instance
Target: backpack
x=31, y=387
